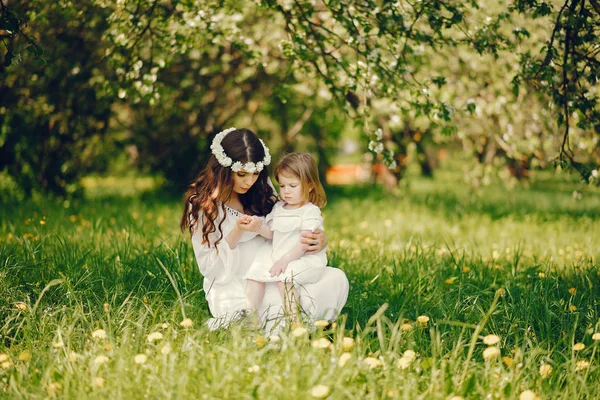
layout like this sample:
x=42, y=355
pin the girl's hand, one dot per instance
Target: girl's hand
x=249, y=223
x=314, y=242
x=278, y=268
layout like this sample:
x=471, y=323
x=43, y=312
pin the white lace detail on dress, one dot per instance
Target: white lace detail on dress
x=233, y=212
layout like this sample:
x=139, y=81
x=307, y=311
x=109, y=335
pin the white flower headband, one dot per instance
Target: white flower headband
x=237, y=166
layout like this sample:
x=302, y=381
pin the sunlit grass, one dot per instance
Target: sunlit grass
x=101, y=298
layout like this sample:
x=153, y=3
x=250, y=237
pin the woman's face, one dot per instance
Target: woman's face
x=243, y=181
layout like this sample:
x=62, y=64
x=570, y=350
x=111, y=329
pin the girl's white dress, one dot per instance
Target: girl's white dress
x=287, y=225
x=223, y=269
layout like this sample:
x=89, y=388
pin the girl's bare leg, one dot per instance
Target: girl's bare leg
x=290, y=298
x=255, y=291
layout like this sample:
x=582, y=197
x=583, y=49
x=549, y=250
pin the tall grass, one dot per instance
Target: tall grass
x=84, y=284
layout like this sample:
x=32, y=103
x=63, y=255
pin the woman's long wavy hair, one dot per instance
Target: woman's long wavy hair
x=213, y=187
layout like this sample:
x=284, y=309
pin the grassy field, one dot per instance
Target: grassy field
x=454, y=292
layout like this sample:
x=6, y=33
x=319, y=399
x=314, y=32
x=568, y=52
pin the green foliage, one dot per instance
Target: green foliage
x=522, y=265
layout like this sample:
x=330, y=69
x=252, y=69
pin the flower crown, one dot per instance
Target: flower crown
x=237, y=166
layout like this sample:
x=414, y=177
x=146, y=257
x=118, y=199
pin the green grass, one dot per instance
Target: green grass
x=519, y=264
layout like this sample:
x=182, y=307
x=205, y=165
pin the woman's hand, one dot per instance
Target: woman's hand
x=249, y=223
x=314, y=242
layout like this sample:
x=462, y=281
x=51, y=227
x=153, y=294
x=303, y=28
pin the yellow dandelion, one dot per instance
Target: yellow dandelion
x=106, y=307
x=545, y=370
x=322, y=343
x=322, y=323
x=507, y=361
x=154, y=336
x=573, y=291
x=409, y=354
x=166, y=349
x=3, y=357
x=347, y=343
x=101, y=360
x=541, y=275
x=259, y=341
x=140, y=359
x=99, y=381
x=108, y=346
x=25, y=356
x=491, y=353
x=373, y=362
x=344, y=358
x=491, y=340
x=21, y=306
x=6, y=364
x=423, y=320
x=320, y=391
x=99, y=334
x=450, y=280
x=596, y=336
x=572, y=308
x=581, y=365
x=299, y=331
x=578, y=346
x=53, y=388
x=253, y=369
x=405, y=327
x=466, y=270
x=528, y=395
x=274, y=338
x=186, y=323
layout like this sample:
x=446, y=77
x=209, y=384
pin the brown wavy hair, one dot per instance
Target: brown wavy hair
x=304, y=168
x=213, y=187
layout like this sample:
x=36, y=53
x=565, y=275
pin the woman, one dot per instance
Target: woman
x=234, y=184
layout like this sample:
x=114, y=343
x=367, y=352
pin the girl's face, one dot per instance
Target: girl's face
x=290, y=189
x=243, y=181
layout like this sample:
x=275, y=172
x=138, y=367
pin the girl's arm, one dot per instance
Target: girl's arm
x=281, y=265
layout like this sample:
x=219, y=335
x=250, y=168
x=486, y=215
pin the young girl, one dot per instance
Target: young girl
x=285, y=262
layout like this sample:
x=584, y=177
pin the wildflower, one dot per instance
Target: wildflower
x=528, y=395
x=423, y=320
x=596, y=336
x=154, y=336
x=320, y=391
x=186, y=323
x=347, y=343
x=25, y=356
x=3, y=357
x=404, y=363
x=322, y=343
x=466, y=269
x=6, y=364
x=405, y=327
x=106, y=307
x=321, y=323
x=583, y=364
x=373, y=362
x=140, y=359
x=545, y=370
x=21, y=306
x=542, y=275
x=274, y=338
x=259, y=341
x=450, y=280
x=491, y=353
x=99, y=381
x=578, y=346
x=253, y=369
x=491, y=340
x=99, y=334
x=101, y=360
x=299, y=331
x=166, y=349
x=344, y=358
x=409, y=354
x=507, y=361
x=573, y=291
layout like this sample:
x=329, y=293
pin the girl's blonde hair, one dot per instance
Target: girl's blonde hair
x=303, y=167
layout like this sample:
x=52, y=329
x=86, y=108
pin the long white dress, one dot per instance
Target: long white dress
x=287, y=226
x=223, y=269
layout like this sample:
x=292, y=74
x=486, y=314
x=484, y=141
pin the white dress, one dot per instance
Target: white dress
x=287, y=226
x=223, y=269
